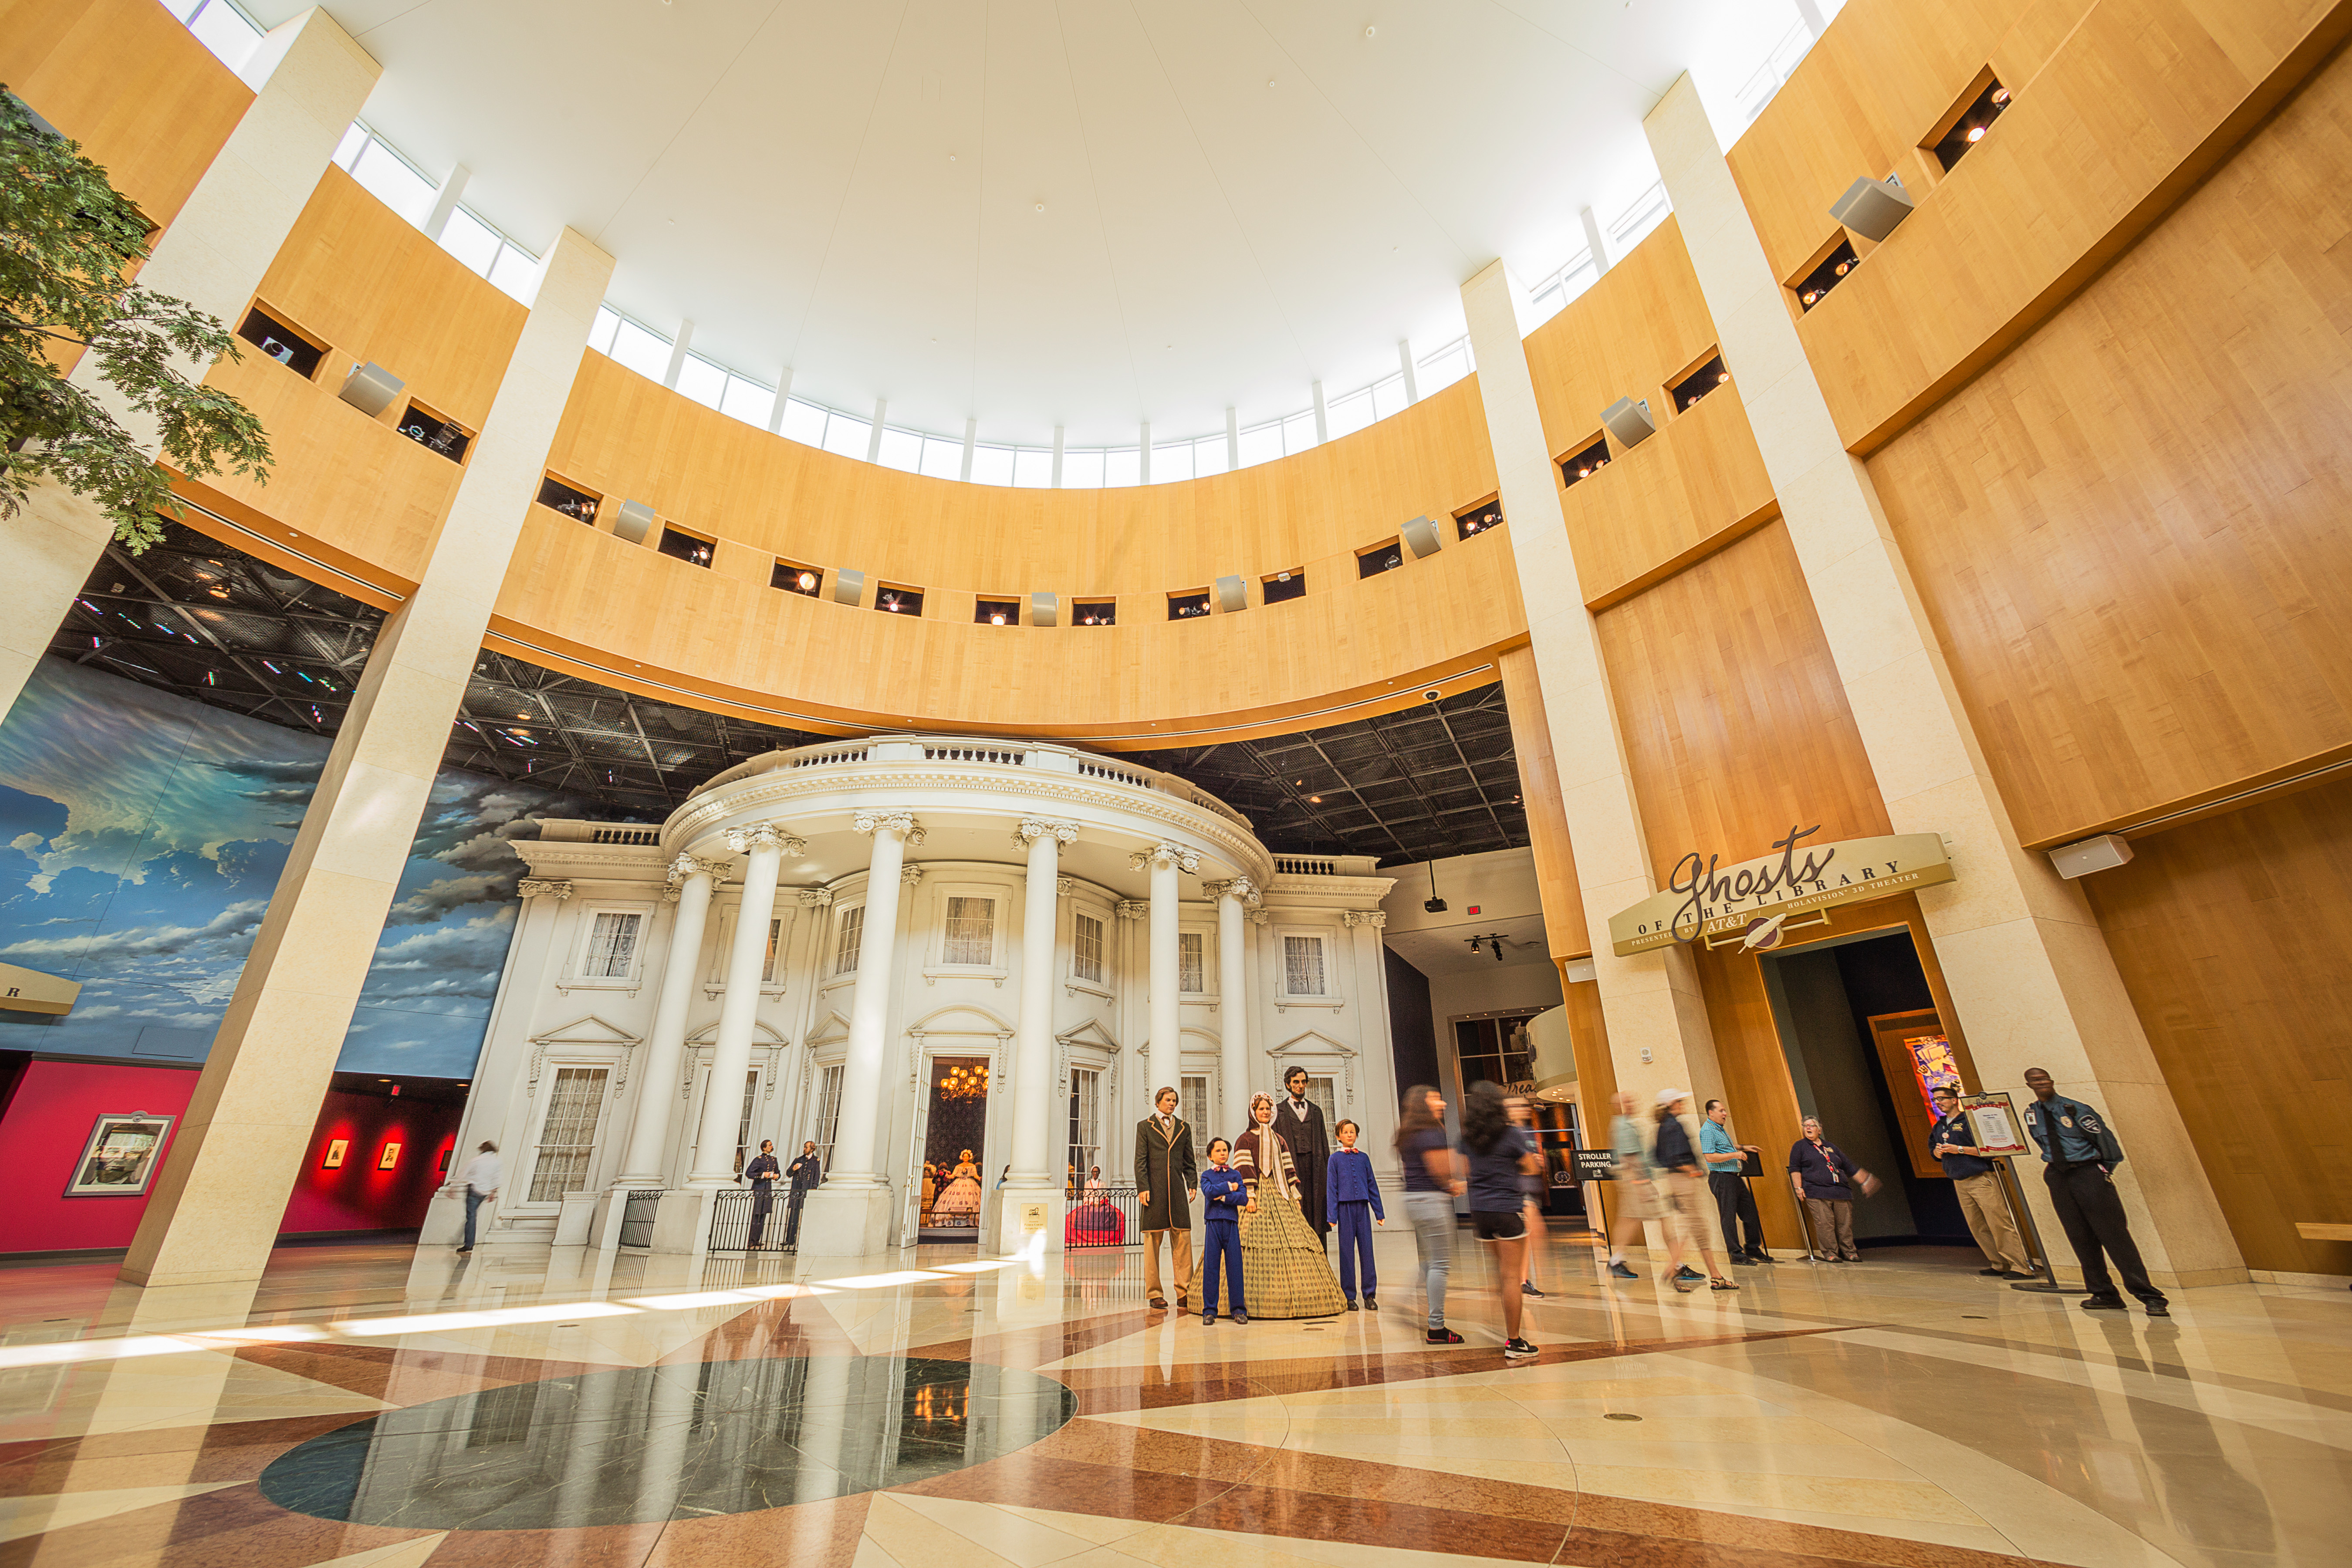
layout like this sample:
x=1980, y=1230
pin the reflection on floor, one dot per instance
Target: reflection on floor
x=372, y=1407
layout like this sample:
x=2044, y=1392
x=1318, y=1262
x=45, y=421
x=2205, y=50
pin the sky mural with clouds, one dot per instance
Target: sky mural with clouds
x=142, y=835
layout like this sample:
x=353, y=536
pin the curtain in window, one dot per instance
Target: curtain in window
x=971, y=931
x=613, y=946
x=1086, y=947
x=567, y=1139
x=828, y=1115
x=1302, y=965
x=852, y=940
x=1188, y=975
x=1192, y=1091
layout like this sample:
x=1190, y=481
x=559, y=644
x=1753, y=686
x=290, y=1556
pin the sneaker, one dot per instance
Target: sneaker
x=2104, y=1304
x=1744, y=1262
x=1761, y=1257
x=463, y=1250
x=1443, y=1337
x=1528, y=1289
x=1994, y=1273
x=1518, y=1349
x=1617, y=1270
x=1689, y=1273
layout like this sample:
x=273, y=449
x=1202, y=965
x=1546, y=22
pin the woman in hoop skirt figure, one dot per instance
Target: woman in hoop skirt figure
x=959, y=1200
x=1288, y=1275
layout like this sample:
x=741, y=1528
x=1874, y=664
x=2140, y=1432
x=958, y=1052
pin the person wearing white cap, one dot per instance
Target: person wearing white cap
x=1681, y=1185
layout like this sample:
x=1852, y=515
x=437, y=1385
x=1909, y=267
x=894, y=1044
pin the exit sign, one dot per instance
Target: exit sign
x=1473, y=909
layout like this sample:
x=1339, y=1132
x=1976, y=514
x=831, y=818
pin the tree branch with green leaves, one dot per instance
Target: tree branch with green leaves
x=70, y=243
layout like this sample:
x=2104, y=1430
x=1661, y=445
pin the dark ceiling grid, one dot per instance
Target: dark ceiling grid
x=203, y=620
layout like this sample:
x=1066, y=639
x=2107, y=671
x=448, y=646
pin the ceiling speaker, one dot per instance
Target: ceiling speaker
x=1045, y=610
x=1231, y=596
x=1421, y=537
x=848, y=587
x=371, y=388
x=1872, y=208
x=1629, y=421
x=633, y=521
x=2085, y=855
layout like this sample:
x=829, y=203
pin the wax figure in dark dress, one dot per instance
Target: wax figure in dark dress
x=1301, y=1121
x=761, y=1173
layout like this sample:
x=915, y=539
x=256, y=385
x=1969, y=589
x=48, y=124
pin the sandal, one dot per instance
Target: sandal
x=1684, y=1287
x=1720, y=1283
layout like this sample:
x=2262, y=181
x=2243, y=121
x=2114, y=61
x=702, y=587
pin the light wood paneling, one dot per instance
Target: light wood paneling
x=356, y=275
x=130, y=84
x=1735, y=725
x=2130, y=533
x=1557, y=883
x=1689, y=488
x=636, y=617
x=2132, y=107
x=624, y=436
x=2230, y=935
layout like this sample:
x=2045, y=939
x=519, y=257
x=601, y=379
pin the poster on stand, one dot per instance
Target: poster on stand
x=1993, y=1120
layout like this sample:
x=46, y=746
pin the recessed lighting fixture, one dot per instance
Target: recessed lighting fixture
x=1314, y=800
x=1976, y=133
x=997, y=619
x=1041, y=207
x=1269, y=81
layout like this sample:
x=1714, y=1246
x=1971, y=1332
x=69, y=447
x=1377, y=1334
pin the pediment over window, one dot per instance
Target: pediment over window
x=586, y=1030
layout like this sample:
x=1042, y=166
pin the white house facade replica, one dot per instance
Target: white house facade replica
x=959, y=967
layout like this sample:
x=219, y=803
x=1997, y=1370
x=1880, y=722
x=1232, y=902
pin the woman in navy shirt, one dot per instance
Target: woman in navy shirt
x=1821, y=1173
x=1430, y=1183
x=1499, y=1154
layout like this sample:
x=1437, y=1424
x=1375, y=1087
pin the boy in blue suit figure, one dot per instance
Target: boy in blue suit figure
x=1351, y=1201
x=1227, y=1198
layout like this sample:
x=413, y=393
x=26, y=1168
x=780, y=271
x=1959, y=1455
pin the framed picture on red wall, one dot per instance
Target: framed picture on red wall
x=333, y=1160
x=120, y=1159
x=388, y=1158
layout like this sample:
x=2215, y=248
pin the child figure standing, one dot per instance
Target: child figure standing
x=1227, y=1198
x=1351, y=1201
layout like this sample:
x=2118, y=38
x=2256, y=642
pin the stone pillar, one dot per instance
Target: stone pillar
x=1036, y=1173
x=2022, y=956
x=1167, y=1015
x=849, y=1215
x=763, y=847
x=1234, y=900
x=1657, y=1024
x=213, y=255
x=646, y=1161
x=1154, y=1069
x=275, y=1049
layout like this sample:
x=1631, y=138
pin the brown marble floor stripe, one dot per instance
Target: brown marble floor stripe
x=805, y=1535
x=225, y=1451
x=409, y=1376
x=236, y=1527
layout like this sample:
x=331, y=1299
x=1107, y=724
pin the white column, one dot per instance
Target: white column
x=850, y=1213
x=763, y=848
x=1033, y=1166
x=1156, y=1068
x=2027, y=965
x=1233, y=901
x=645, y=1163
x=1167, y=1015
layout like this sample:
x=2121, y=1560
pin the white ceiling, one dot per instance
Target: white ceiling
x=1446, y=950
x=1240, y=196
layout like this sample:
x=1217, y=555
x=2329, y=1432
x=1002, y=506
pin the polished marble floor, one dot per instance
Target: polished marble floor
x=377, y=1408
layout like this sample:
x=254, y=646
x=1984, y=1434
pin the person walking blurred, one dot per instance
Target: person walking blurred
x=1430, y=1183
x=1499, y=1154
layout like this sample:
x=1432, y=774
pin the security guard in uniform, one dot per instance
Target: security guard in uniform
x=2079, y=1155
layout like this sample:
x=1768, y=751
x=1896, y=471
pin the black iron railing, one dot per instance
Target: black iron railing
x=1103, y=1216
x=637, y=1218
x=735, y=1210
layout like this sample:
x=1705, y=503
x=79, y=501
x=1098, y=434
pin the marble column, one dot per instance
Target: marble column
x=1234, y=900
x=213, y=255
x=1657, y=1024
x=763, y=847
x=1166, y=1013
x=849, y=1215
x=275, y=1052
x=645, y=1163
x=1037, y=1172
x=1154, y=1070
x=2022, y=955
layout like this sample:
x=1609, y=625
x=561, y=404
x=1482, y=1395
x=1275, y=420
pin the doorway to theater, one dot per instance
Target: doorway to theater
x=1864, y=1042
x=953, y=1177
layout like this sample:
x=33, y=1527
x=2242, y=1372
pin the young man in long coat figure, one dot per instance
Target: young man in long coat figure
x=1301, y=1121
x=1167, y=1172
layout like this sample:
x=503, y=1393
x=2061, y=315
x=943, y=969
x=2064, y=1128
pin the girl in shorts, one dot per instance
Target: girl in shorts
x=1499, y=1154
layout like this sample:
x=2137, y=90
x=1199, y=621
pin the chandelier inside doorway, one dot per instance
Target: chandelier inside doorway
x=969, y=1081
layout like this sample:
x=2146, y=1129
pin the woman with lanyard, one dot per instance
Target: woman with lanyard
x=1825, y=1181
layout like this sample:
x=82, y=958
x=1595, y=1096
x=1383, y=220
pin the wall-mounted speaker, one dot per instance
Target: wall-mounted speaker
x=1045, y=610
x=371, y=389
x=2085, y=855
x=633, y=521
x=1231, y=594
x=1421, y=538
x=1579, y=971
x=1872, y=208
x=1629, y=420
x=848, y=587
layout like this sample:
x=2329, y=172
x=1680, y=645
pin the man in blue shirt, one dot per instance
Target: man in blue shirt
x=1978, y=1186
x=1724, y=1161
x=2079, y=1154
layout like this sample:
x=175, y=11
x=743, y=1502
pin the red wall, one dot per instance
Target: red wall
x=47, y=1122
x=50, y=1117
x=359, y=1197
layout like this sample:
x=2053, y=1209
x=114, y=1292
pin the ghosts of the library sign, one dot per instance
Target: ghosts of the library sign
x=1703, y=900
